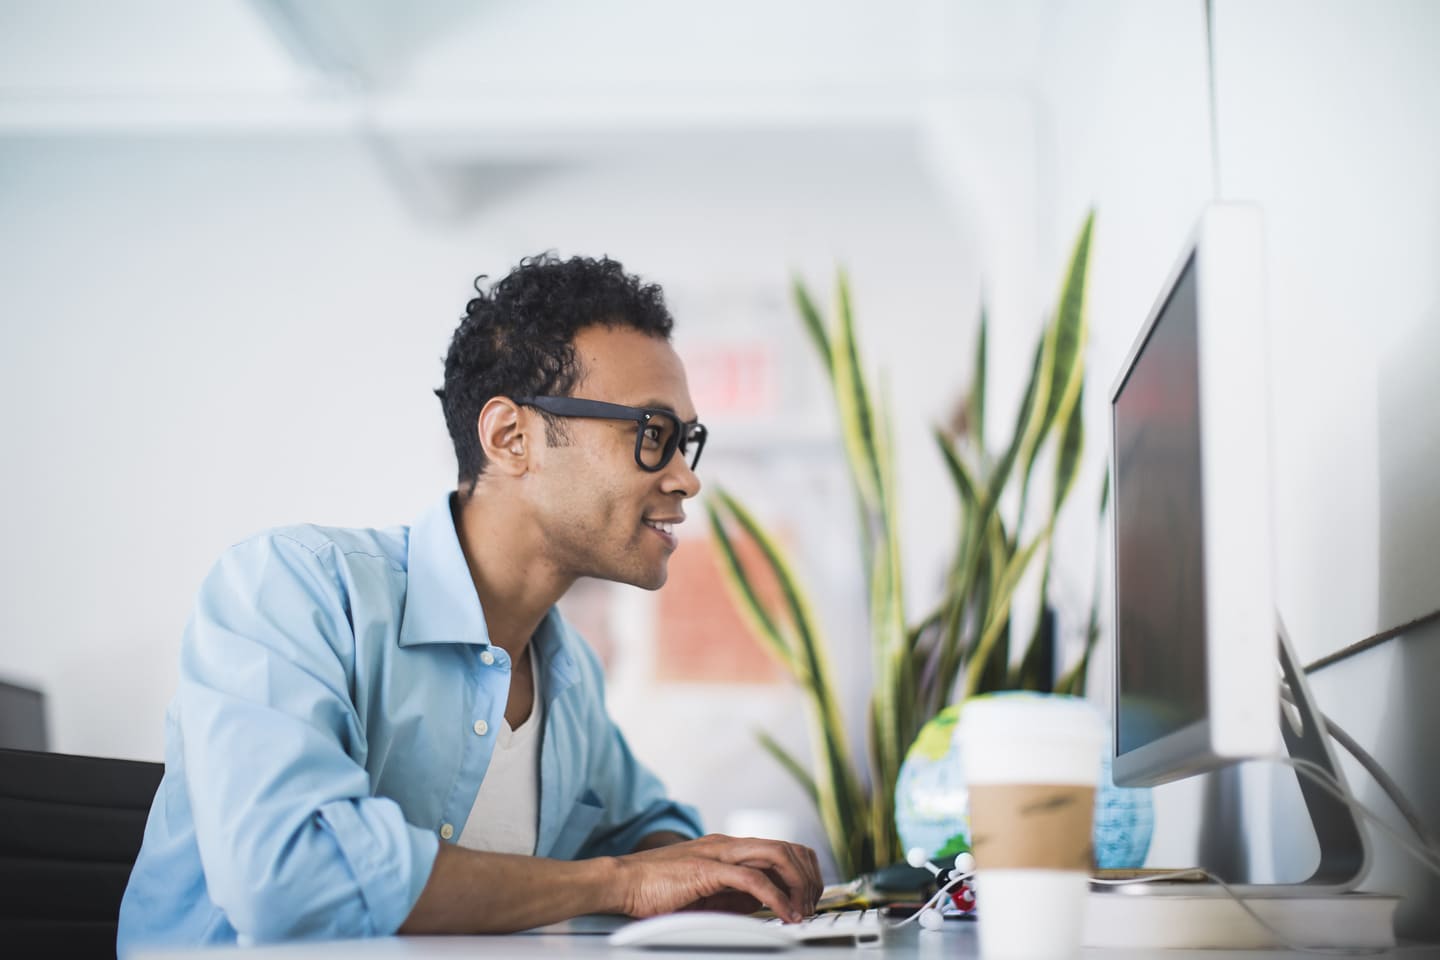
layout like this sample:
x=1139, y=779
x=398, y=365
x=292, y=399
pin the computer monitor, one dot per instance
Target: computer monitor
x=1194, y=608
x=1201, y=659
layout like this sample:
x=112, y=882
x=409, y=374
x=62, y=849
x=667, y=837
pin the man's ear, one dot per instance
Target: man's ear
x=504, y=437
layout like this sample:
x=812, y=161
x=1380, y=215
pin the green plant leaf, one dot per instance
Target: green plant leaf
x=766, y=630
x=1071, y=329
x=844, y=800
x=1027, y=421
x=797, y=604
x=1074, y=680
x=814, y=325
x=977, y=543
x=893, y=708
x=1067, y=458
x=999, y=615
x=1067, y=461
x=962, y=475
x=1066, y=406
x=1065, y=339
x=857, y=418
x=1029, y=675
x=791, y=766
x=975, y=404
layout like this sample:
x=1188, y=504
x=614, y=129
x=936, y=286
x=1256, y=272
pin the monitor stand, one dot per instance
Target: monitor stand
x=1344, y=854
x=1319, y=910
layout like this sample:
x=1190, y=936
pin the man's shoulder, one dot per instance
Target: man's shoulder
x=333, y=547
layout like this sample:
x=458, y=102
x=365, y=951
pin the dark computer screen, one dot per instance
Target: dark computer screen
x=1159, y=552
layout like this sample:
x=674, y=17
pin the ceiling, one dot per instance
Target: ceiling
x=494, y=70
x=457, y=97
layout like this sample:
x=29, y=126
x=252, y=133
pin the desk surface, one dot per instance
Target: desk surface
x=955, y=942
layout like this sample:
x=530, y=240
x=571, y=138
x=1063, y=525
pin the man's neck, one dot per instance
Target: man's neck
x=515, y=584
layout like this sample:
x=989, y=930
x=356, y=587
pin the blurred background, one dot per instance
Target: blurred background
x=236, y=235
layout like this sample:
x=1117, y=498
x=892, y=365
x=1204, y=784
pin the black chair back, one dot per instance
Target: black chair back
x=70, y=829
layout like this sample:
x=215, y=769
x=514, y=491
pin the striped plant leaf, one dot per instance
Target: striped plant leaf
x=840, y=803
x=999, y=615
x=1027, y=676
x=1073, y=682
x=798, y=605
x=979, y=529
x=766, y=630
x=1071, y=330
x=960, y=473
x=857, y=417
x=792, y=766
x=975, y=402
x=1068, y=333
x=1067, y=457
x=893, y=710
x=814, y=325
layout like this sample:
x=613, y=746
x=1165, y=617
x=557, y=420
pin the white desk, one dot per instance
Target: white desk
x=955, y=942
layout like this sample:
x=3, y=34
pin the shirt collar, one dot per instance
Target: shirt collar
x=552, y=655
x=441, y=605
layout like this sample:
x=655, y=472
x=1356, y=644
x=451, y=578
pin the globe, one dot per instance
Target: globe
x=932, y=806
x=1124, y=821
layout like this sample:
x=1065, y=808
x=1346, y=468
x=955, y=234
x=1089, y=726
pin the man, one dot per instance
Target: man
x=395, y=730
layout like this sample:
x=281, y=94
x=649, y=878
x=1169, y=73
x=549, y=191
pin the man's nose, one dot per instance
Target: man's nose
x=681, y=479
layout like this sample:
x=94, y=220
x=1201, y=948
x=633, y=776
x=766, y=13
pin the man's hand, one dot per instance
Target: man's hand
x=721, y=873
x=471, y=891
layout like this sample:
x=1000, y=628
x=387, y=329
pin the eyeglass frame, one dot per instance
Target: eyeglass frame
x=684, y=433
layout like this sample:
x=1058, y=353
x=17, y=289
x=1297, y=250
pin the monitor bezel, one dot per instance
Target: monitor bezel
x=1242, y=700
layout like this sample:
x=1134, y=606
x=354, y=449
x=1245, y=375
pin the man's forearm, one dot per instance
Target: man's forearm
x=660, y=838
x=474, y=892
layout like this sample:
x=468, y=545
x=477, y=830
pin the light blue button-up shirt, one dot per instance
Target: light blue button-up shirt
x=324, y=739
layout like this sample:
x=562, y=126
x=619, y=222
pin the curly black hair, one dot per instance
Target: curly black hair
x=519, y=340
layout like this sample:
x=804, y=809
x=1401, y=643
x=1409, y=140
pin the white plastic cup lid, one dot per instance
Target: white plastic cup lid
x=1029, y=738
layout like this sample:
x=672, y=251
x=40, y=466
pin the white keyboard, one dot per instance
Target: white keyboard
x=722, y=931
x=856, y=927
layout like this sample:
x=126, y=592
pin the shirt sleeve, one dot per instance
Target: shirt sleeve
x=634, y=800
x=291, y=841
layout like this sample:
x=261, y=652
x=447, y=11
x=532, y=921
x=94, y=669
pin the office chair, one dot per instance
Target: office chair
x=70, y=829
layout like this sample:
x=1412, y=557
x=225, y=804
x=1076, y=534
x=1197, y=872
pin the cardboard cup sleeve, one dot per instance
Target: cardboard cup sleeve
x=1032, y=826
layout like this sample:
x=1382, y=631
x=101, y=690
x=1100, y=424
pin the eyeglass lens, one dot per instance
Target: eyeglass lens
x=660, y=434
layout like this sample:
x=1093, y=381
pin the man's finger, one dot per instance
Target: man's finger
x=776, y=856
x=804, y=890
x=759, y=886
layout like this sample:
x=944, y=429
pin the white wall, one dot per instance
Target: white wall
x=1329, y=118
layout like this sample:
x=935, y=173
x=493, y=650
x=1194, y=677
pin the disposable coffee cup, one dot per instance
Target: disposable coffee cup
x=1030, y=764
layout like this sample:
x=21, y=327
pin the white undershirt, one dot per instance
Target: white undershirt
x=506, y=813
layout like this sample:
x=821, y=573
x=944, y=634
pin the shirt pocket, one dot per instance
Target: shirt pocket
x=584, y=815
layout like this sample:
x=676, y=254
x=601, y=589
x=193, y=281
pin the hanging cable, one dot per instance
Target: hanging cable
x=1213, y=102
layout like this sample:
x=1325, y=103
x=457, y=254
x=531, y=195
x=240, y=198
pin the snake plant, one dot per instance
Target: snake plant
x=962, y=647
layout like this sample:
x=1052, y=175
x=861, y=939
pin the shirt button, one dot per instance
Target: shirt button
x=446, y=831
x=481, y=727
x=487, y=658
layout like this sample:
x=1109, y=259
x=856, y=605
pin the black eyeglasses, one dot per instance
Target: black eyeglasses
x=658, y=433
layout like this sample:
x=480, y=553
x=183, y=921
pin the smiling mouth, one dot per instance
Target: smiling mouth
x=666, y=528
